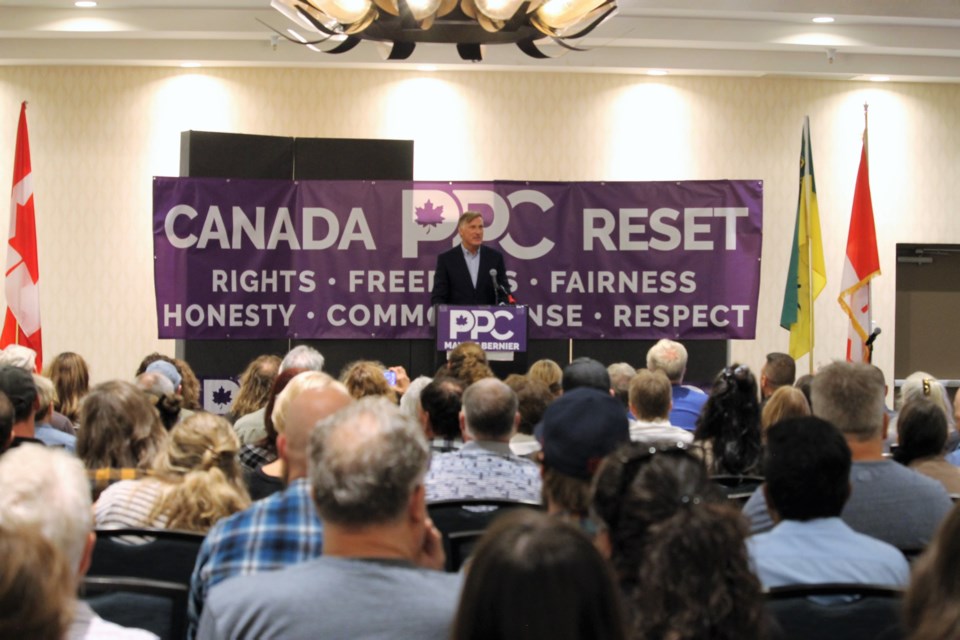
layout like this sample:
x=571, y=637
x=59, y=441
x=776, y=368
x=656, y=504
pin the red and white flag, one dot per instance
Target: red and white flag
x=22, y=323
x=861, y=265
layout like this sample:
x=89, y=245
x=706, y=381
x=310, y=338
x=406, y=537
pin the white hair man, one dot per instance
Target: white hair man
x=671, y=358
x=251, y=428
x=378, y=575
x=47, y=489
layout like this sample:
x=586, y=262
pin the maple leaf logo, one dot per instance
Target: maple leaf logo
x=222, y=396
x=461, y=321
x=429, y=215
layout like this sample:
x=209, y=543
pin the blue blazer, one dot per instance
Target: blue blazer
x=452, y=283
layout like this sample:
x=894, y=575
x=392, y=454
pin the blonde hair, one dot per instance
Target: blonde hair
x=201, y=474
x=784, y=403
x=256, y=381
x=365, y=378
x=549, y=373
x=71, y=378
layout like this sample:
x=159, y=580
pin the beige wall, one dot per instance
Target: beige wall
x=98, y=134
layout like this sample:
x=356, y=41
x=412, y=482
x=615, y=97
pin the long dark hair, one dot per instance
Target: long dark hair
x=730, y=422
x=537, y=577
x=677, y=546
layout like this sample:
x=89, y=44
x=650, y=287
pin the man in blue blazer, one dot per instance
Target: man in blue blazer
x=463, y=273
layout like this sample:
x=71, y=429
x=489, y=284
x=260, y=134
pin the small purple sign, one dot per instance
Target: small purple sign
x=355, y=259
x=496, y=329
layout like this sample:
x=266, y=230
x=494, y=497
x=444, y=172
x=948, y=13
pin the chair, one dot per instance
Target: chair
x=462, y=521
x=155, y=605
x=836, y=611
x=153, y=554
x=737, y=488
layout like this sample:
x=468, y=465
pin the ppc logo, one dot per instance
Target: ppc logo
x=475, y=323
x=430, y=215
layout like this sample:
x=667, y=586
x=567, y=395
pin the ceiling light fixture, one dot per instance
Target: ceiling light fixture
x=823, y=20
x=879, y=78
x=468, y=24
x=85, y=4
x=656, y=72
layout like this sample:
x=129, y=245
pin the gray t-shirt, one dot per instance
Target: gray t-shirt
x=888, y=501
x=333, y=597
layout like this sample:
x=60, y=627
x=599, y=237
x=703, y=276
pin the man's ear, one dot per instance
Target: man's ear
x=417, y=507
x=281, y=446
x=87, y=556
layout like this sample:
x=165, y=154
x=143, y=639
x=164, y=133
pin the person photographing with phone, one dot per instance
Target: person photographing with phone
x=471, y=274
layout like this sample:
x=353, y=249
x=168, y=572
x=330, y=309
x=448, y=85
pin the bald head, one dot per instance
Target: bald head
x=306, y=410
x=490, y=410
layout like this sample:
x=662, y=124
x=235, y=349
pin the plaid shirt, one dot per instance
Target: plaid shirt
x=273, y=533
x=253, y=457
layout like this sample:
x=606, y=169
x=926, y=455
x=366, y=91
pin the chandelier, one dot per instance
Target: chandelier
x=468, y=24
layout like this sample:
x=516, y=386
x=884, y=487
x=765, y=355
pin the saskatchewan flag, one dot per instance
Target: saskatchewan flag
x=806, y=275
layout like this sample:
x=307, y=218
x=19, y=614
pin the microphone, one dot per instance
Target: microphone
x=873, y=337
x=502, y=296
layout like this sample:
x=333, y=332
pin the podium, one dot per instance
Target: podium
x=501, y=331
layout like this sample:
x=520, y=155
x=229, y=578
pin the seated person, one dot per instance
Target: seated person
x=807, y=471
x=887, y=501
x=523, y=552
x=194, y=482
x=650, y=401
x=485, y=467
x=676, y=545
x=922, y=436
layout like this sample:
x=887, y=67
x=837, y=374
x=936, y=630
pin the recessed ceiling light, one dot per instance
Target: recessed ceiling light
x=879, y=78
x=190, y=65
x=85, y=4
x=823, y=20
x=656, y=72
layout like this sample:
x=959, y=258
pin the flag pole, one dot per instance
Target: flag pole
x=806, y=160
x=866, y=152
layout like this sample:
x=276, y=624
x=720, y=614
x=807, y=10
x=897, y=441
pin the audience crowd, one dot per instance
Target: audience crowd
x=312, y=495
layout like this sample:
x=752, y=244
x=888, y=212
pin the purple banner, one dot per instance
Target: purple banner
x=355, y=259
x=495, y=328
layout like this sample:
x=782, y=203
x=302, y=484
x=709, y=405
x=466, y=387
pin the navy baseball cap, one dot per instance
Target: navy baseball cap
x=580, y=429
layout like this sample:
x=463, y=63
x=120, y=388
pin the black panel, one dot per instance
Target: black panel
x=229, y=155
x=227, y=358
x=353, y=159
x=207, y=154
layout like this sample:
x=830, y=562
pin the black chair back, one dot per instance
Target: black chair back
x=462, y=522
x=153, y=554
x=836, y=611
x=155, y=605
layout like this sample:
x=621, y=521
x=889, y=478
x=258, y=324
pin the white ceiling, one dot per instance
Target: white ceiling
x=907, y=40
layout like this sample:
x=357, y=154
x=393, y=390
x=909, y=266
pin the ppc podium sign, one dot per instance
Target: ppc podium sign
x=495, y=329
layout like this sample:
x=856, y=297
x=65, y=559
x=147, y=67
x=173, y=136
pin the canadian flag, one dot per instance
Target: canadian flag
x=861, y=265
x=22, y=323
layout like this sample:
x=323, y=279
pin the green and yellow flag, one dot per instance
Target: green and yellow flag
x=806, y=276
